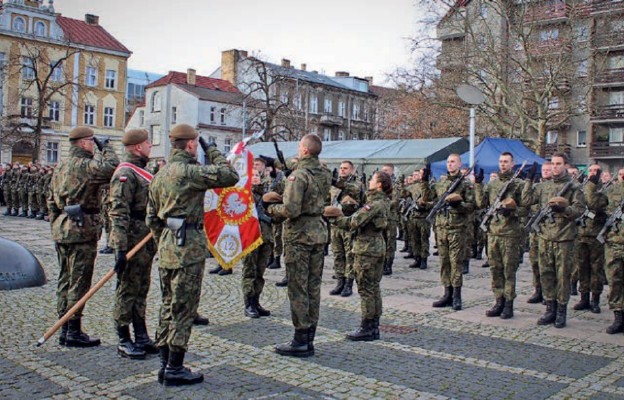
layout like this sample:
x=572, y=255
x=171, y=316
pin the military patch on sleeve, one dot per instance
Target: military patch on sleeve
x=291, y=178
x=367, y=207
x=123, y=178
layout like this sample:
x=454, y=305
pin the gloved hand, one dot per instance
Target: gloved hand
x=269, y=161
x=595, y=178
x=205, y=145
x=426, y=173
x=120, y=261
x=273, y=173
x=100, y=143
x=558, y=204
x=454, y=200
x=334, y=177
x=532, y=172
x=557, y=208
x=480, y=176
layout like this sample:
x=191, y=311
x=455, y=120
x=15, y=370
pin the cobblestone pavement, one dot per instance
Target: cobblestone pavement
x=424, y=352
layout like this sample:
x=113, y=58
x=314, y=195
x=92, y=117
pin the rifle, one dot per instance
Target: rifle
x=262, y=216
x=442, y=200
x=606, y=185
x=280, y=157
x=612, y=221
x=545, y=211
x=586, y=214
x=493, y=210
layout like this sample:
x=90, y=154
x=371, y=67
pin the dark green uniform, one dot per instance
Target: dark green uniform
x=7, y=182
x=341, y=241
x=418, y=229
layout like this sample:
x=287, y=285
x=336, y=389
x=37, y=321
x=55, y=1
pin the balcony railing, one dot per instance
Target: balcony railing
x=602, y=6
x=547, y=12
x=610, y=76
x=608, y=40
x=606, y=149
x=552, y=46
x=609, y=112
x=552, y=148
x=330, y=120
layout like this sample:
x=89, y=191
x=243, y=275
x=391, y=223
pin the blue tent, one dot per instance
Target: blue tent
x=487, y=153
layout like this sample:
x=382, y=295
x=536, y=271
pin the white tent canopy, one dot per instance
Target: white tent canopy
x=369, y=155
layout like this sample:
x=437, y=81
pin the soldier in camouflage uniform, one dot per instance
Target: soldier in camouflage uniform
x=33, y=193
x=470, y=230
x=42, y=192
x=305, y=235
x=22, y=188
x=537, y=296
x=418, y=229
x=504, y=232
x=369, y=249
x=556, y=238
x=7, y=179
x=15, y=177
x=76, y=224
x=128, y=200
x=349, y=195
x=255, y=263
x=175, y=213
x=450, y=225
x=614, y=245
x=393, y=219
x=105, y=206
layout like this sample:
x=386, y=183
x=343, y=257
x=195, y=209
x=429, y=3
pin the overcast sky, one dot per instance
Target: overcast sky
x=365, y=38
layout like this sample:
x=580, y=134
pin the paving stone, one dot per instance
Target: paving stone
x=17, y=382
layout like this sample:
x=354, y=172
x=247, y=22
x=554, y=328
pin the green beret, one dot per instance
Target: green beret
x=134, y=136
x=183, y=131
x=80, y=132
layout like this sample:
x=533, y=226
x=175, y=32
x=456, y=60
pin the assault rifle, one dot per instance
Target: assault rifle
x=280, y=157
x=546, y=211
x=442, y=200
x=611, y=222
x=606, y=185
x=493, y=210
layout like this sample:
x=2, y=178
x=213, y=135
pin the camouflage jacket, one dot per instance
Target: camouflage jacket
x=415, y=193
x=351, y=187
x=41, y=183
x=452, y=218
x=178, y=191
x=77, y=180
x=558, y=227
x=590, y=228
x=485, y=197
x=265, y=228
x=128, y=201
x=305, y=196
x=609, y=201
x=369, y=224
x=395, y=198
x=7, y=179
x=33, y=182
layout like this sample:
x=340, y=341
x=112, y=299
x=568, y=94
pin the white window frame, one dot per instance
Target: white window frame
x=37, y=29
x=341, y=135
x=227, y=146
x=579, y=142
x=342, y=108
x=111, y=79
x=327, y=106
x=483, y=11
x=174, y=114
x=355, y=111
x=553, y=103
x=91, y=76
x=582, y=33
x=89, y=114
x=141, y=117
x=222, y=116
x=56, y=75
x=28, y=69
x=366, y=113
x=546, y=35
x=156, y=103
x=582, y=69
x=616, y=135
x=52, y=152
x=155, y=134
x=298, y=102
x=314, y=104
x=54, y=111
x=551, y=137
x=15, y=25
x=213, y=117
x=109, y=117
x=26, y=107
x=326, y=134
x=284, y=97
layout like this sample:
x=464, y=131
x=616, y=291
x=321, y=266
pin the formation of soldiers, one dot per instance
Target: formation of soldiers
x=25, y=188
x=571, y=222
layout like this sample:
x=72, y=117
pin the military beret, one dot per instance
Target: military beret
x=348, y=200
x=332, y=212
x=559, y=201
x=80, y=132
x=272, y=197
x=509, y=204
x=453, y=197
x=183, y=131
x=134, y=136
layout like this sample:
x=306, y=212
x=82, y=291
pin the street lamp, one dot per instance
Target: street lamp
x=474, y=97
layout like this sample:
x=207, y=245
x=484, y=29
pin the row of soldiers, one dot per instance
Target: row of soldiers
x=25, y=188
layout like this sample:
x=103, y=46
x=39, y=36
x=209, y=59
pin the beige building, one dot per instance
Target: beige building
x=76, y=66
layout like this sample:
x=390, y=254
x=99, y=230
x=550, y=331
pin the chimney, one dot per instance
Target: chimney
x=342, y=74
x=92, y=19
x=369, y=79
x=190, y=76
x=229, y=64
x=303, y=67
x=285, y=63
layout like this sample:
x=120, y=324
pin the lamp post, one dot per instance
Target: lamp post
x=474, y=97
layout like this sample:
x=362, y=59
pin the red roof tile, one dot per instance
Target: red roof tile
x=179, y=78
x=80, y=32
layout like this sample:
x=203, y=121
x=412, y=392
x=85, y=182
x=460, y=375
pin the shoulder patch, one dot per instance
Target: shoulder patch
x=123, y=178
x=367, y=207
x=291, y=178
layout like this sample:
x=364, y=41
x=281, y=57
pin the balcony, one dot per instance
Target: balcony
x=450, y=60
x=606, y=6
x=330, y=120
x=562, y=85
x=609, y=77
x=613, y=113
x=547, y=13
x=608, y=41
x=606, y=149
x=552, y=148
x=549, y=47
x=452, y=27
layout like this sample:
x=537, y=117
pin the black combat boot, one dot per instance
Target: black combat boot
x=250, y=308
x=348, y=288
x=215, y=270
x=326, y=249
x=32, y=214
x=485, y=265
x=405, y=248
x=311, y=336
x=39, y=217
x=497, y=309
x=77, y=338
x=263, y=312
x=474, y=251
x=595, y=303
x=199, y=320
x=573, y=288
x=7, y=212
x=125, y=347
x=63, y=335
x=457, y=301
x=142, y=340
x=271, y=259
x=446, y=300
x=376, y=328
x=410, y=254
x=536, y=297
x=423, y=263
x=283, y=282
x=176, y=374
x=479, y=253
x=365, y=333
x=618, y=324
x=507, y=310
x=562, y=311
x=583, y=304
x=23, y=214
x=164, y=360
x=465, y=266
x=276, y=263
x=416, y=263
x=297, y=347
x=339, y=286
x=387, y=269
x=550, y=314
x=106, y=250
x=225, y=272
x=14, y=213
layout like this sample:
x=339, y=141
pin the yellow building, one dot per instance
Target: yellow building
x=57, y=73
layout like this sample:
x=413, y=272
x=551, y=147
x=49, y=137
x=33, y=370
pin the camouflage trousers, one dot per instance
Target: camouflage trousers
x=503, y=259
x=368, y=273
x=15, y=198
x=555, y=265
x=254, y=265
x=43, y=204
x=451, y=246
x=132, y=288
x=391, y=232
x=278, y=245
x=304, y=264
x=590, y=262
x=33, y=202
x=534, y=258
x=76, y=262
x=342, y=247
x=419, y=231
x=180, y=290
x=106, y=225
x=7, y=196
x=614, y=255
x=23, y=196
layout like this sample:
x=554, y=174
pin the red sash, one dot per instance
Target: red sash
x=139, y=171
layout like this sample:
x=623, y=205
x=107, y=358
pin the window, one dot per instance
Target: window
x=328, y=106
x=355, y=114
x=483, y=11
x=28, y=68
x=141, y=118
x=298, y=102
x=313, y=104
x=156, y=102
x=222, y=116
x=284, y=97
x=111, y=77
x=155, y=135
x=40, y=29
x=342, y=108
x=19, y=24
x=481, y=41
x=26, y=108
x=213, y=111
x=365, y=113
x=56, y=73
x=341, y=135
x=174, y=114
x=616, y=135
x=582, y=33
x=52, y=150
x=551, y=137
x=548, y=34
x=109, y=115
x=227, y=147
x=55, y=111
x=327, y=134
x=581, y=101
x=617, y=25
x=553, y=103
x=212, y=139
x=91, y=76
x=89, y=114
x=136, y=91
x=582, y=69
x=581, y=139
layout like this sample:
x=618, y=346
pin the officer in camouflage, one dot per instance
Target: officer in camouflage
x=7, y=179
x=175, y=214
x=22, y=189
x=32, y=187
x=418, y=229
x=393, y=219
x=15, y=178
x=129, y=188
x=305, y=235
x=76, y=225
